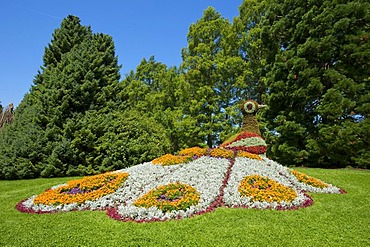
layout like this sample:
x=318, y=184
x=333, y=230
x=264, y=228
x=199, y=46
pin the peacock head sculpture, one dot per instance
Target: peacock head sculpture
x=249, y=109
x=249, y=139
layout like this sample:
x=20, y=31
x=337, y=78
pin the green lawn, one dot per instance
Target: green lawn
x=333, y=220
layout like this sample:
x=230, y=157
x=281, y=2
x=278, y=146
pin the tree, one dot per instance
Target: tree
x=160, y=93
x=249, y=28
x=78, y=80
x=318, y=82
x=215, y=74
x=70, y=34
x=83, y=81
x=22, y=144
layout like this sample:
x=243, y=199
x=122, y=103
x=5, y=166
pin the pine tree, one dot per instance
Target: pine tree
x=70, y=34
x=77, y=85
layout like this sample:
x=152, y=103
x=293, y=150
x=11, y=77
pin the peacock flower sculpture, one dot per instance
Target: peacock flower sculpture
x=194, y=181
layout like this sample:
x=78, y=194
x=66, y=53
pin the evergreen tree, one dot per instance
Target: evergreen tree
x=70, y=34
x=78, y=82
x=22, y=144
x=83, y=81
x=318, y=81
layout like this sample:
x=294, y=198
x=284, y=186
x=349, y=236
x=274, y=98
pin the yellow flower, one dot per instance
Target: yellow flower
x=81, y=190
x=248, y=155
x=221, y=153
x=303, y=178
x=170, y=159
x=263, y=189
x=194, y=151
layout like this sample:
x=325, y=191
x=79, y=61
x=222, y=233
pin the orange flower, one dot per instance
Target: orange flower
x=303, y=178
x=170, y=159
x=194, y=151
x=263, y=189
x=221, y=153
x=248, y=155
x=81, y=190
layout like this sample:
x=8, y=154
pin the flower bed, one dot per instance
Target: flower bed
x=243, y=169
x=205, y=174
x=246, y=141
x=221, y=153
x=170, y=159
x=303, y=178
x=263, y=189
x=195, y=186
x=248, y=155
x=194, y=151
x=174, y=196
x=82, y=190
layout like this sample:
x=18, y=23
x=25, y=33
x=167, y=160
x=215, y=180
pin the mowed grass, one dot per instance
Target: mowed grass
x=333, y=220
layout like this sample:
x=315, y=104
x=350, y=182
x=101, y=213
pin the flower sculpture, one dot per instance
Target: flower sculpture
x=194, y=181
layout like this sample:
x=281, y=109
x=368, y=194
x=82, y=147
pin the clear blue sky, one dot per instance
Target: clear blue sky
x=140, y=29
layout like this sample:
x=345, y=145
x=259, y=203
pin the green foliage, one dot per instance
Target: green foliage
x=69, y=123
x=161, y=93
x=132, y=138
x=317, y=81
x=70, y=34
x=215, y=73
x=22, y=144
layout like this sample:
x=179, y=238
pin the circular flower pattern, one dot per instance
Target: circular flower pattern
x=174, y=196
x=263, y=189
x=81, y=190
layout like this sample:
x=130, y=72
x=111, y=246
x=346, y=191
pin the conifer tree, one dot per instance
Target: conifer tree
x=78, y=82
x=318, y=81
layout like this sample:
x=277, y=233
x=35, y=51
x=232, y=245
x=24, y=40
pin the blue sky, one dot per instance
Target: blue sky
x=140, y=29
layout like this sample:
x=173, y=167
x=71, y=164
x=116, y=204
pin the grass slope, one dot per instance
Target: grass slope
x=333, y=220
